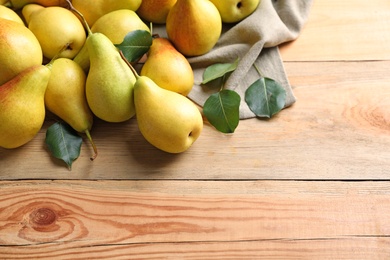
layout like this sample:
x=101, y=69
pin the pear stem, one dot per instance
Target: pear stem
x=71, y=7
x=129, y=64
x=50, y=64
x=87, y=133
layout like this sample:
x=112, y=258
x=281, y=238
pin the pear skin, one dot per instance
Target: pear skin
x=110, y=82
x=116, y=24
x=168, y=68
x=22, y=106
x=194, y=26
x=19, y=4
x=155, y=11
x=55, y=27
x=94, y=9
x=20, y=49
x=9, y=14
x=82, y=58
x=167, y=120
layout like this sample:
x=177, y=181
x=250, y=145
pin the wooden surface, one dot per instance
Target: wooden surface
x=311, y=183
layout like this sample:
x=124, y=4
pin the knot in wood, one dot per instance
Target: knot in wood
x=43, y=217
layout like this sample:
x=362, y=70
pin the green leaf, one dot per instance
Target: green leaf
x=222, y=110
x=218, y=70
x=135, y=44
x=63, y=142
x=265, y=97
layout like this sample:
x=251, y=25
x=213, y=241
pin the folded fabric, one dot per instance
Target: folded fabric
x=253, y=40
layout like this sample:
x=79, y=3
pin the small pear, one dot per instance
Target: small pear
x=19, y=50
x=194, y=26
x=55, y=27
x=94, y=9
x=168, y=68
x=65, y=96
x=22, y=106
x=167, y=120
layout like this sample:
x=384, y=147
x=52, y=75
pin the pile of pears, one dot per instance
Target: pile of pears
x=61, y=56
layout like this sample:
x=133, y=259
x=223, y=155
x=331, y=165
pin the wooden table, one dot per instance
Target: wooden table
x=311, y=183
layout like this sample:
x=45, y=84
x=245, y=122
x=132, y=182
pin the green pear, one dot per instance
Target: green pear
x=110, y=82
x=169, y=121
x=82, y=58
x=65, y=96
x=22, y=106
x=194, y=26
x=19, y=49
x=94, y=9
x=55, y=27
x=168, y=68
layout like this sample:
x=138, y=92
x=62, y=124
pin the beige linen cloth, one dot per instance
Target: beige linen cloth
x=254, y=40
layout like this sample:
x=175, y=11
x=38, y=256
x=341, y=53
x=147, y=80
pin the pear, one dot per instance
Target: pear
x=19, y=50
x=116, y=24
x=168, y=68
x=110, y=82
x=109, y=86
x=155, y=11
x=22, y=106
x=194, y=26
x=94, y=9
x=65, y=96
x=169, y=121
x=9, y=14
x=55, y=27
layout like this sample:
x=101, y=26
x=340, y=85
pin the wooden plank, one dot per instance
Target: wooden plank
x=349, y=248
x=194, y=219
x=343, y=30
x=338, y=129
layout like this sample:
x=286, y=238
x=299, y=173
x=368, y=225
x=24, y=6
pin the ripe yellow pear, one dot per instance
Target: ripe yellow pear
x=116, y=24
x=22, y=106
x=168, y=68
x=94, y=9
x=155, y=11
x=65, y=96
x=19, y=49
x=194, y=26
x=167, y=120
x=54, y=27
x=233, y=11
x=9, y=14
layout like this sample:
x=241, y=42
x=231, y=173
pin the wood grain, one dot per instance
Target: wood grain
x=338, y=129
x=194, y=219
x=343, y=30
